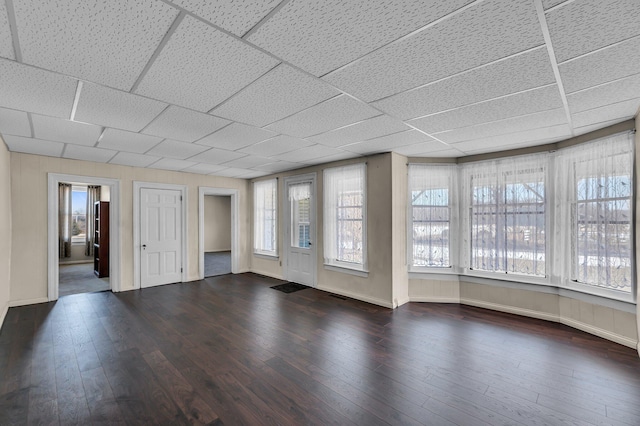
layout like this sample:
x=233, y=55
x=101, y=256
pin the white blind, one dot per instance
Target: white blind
x=265, y=217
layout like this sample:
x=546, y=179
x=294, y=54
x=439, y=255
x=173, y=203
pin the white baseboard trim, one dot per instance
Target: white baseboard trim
x=266, y=274
x=14, y=303
x=596, y=331
x=372, y=300
x=397, y=303
x=434, y=299
x=3, y=313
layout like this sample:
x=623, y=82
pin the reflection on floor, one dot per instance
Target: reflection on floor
x=79, y=278
x=218, y=263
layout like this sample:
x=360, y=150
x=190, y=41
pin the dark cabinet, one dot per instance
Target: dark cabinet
x=101, y=239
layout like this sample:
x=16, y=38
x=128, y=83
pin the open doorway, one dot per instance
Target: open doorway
x=83, y=250
x=217, y=235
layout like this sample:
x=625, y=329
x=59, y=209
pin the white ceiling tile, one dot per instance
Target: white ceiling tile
x=14, y=122
x=203, y=168
x=235, y=17
x=176, y=149
x=523, y=103
x=6, y=40
x=216, y=156
x=184, y=124
x=33, y=146
x=329, y=115
x=512, y=140
x=425, y=149
x=172, y=164
x=342, y=155
x=486, y=32
x=121, y=140
x=321, y=36
x=231, y=172
x=85, y=153
x=61, y=130
x=114, y=108
x=34, y=90
x=609, y=93
x=619, y=111
x=235, y=136
x=279, y=166
x=133, y=160
x=248, y=162
x=586, y=129
x=547, y=4
x=276, y=146
x=501, y=127
x=279, y=93
x=309, y=154
x=388, y=143
x=515, y=74
x=200, y=67
x=251, y=174
x=611, y=63
x=104, y=42
x=367, y=129
x=447, y=153
x=586, y=25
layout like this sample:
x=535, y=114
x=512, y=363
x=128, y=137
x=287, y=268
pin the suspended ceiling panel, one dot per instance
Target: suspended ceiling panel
x=610, y=63
x=133, y=160
x=86, y=153
x=590, y=128
x=366, y=129
x=183, y=124
x=233, y=16
x=547, y=4
x=342, y=155
x=61, y=130
x=582, y=26
x=6, y=40
x=501, y=127
x=121, y=140
x=619, y=111
x=276, y=146
x=319, y=36
x=514, y=74
x=248, y=162
x=609, y=93
x=231, y=172
x=107, y=42
x=461, y=42
x=216, y=156
x=34, y=90
x=279, y=93
x=523, y=103
x=200, y=67
x=328, y=115
x=203, y=168
x=33, y=146
x=176, y=149
x=515, y=140
x=113, y=108
x=172, y=164
x=308, y=154
x=14, y=123
x=389, y=142
x=427, y=148
x=236, y=136
x=278, y=166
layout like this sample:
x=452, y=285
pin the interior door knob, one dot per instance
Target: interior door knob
x=144, y=246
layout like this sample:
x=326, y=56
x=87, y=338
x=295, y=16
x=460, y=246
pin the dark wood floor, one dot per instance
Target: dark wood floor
x=230, y=350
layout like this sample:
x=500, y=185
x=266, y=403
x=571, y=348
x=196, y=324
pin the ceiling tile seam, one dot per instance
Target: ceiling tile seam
x=558, y=6
x=102, y=130
x=264, y=19
x=608, y=105
x=76, y=99
x=599, y=49
x=161, y=140
x=309, y=107
x=233, y=95
x=510, y=133
x=406, y=36
x=155, y=118
x=64, y=149
x=544, y=27
x=209, y=134
x=347, y=125
x=469, y=70
x=31, y=128
x=13, y=27
x=165, y=39
x=4, y=142
x=375, y=137
x=604, y=84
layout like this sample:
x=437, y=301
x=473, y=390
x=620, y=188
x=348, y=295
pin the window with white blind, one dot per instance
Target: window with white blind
x=433, y=206
x=265, y=217
x=345, y=216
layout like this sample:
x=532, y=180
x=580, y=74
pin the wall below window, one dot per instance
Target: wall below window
x=5, y=229
x=77, y=255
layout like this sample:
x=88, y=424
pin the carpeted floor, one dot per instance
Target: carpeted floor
x=218, y=263
x=79, y=278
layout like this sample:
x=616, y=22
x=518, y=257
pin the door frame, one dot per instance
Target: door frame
x=286, y=211
x=235, y=246
x=137, y=187
x=115, y=231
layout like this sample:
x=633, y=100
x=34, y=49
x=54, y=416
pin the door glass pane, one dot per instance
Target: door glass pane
x=299, y=196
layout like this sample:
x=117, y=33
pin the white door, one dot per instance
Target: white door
x=160, y=237
x=299, y=240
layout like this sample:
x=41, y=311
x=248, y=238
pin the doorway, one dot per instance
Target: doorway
x=217, y=235
x=300, y=229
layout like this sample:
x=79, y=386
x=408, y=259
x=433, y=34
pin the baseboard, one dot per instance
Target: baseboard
x=266, y=274
x=372, y=300
x=14, y=303
x=76, y=262
x=3, y=314
x=596, y=331
x=397, y=303
x=435, y=299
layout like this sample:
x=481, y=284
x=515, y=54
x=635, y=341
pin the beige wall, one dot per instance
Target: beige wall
x=217, y=223
x=5, y=229
x=77, y=255
x=29, y=210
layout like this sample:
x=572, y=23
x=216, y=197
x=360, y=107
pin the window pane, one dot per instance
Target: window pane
x=265, y=217
x=300, y=222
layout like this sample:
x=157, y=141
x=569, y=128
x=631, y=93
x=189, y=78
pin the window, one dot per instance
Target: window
x=265, y=217
x=300, y=199
x=345, y=216
x=78, y=214
x=431, y=196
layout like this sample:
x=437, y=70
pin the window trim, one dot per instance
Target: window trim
x=256, y=251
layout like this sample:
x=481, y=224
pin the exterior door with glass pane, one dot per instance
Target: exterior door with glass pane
x=300, y=232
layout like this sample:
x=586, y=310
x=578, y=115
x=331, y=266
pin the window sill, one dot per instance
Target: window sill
x=346, y=270
x=266, y=256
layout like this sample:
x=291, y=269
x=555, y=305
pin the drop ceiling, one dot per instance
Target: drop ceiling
x=249, y=88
